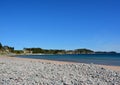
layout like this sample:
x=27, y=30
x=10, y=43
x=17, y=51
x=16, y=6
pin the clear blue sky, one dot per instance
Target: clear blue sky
x=61, y=24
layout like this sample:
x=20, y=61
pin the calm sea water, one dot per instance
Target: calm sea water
x=105, y=59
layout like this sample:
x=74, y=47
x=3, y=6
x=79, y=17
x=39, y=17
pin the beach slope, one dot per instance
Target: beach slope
x=19, y=71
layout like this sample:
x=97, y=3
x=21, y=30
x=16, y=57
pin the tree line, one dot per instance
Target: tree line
x=57, y=51
x=8, y=49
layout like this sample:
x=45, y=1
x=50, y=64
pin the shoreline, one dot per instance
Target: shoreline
x=24, y=71
x=109, y=67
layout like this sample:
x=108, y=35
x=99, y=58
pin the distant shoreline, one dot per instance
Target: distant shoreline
x=110, y=67
x=60, y=54
x=104, y=59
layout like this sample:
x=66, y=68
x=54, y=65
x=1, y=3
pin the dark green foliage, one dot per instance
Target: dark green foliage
x=37, y=50
x=8, y=48
x=56, y=51
x=18, y=51
x=83, y=51
x=34, y=50
x=0, y=46
x=45, y=51
x=103, y=52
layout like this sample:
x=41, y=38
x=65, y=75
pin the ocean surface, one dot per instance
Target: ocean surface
x=104, y=59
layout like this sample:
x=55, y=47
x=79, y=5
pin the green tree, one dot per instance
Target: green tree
x=0, y=46
x=83, y=51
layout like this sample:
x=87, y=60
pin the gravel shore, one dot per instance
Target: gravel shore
x=15, y=71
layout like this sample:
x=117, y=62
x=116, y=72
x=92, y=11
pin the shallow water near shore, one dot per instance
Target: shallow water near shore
x=104, y=59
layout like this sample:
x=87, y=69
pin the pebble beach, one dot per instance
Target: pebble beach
x=19, y=71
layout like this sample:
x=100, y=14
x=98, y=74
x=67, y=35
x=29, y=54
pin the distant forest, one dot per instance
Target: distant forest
x=8, y=49
x=56, y=51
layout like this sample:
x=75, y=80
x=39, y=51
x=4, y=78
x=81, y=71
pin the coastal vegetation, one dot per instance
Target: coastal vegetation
x=8, y=49
x=56, y=51
x=0, y=46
